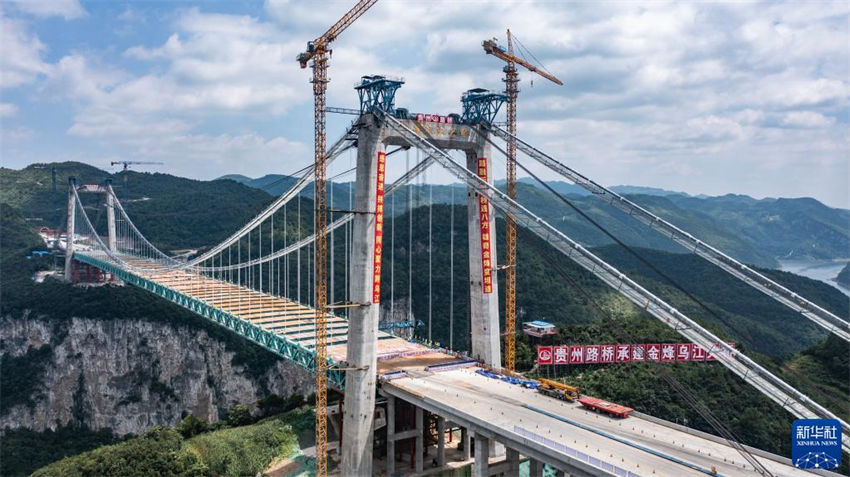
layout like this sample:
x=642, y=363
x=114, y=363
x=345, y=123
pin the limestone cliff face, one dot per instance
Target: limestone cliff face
x=129, y=375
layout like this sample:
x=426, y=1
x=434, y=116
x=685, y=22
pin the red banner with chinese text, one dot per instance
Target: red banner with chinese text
x=625, y=353
x=484, y=223
x=379, y=228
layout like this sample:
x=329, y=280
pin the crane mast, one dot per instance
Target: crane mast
x=318, y=51
x=512, y=90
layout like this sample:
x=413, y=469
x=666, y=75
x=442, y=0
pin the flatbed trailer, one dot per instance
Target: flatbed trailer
x=600, y=405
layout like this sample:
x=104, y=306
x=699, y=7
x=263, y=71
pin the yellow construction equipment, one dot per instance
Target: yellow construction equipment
x=558, y=390
x=318, y=51
x=511, y=88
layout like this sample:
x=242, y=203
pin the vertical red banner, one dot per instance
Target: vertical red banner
x=379, y=228
x=484, y=223
x=544, y=355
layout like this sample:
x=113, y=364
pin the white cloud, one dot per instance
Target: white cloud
x=7, y=109
x=807, y=119
x=68, y=9
x=20, y=54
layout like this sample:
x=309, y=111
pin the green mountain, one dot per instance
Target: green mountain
x=757, y=232
x=784, y=228
x=177, y=213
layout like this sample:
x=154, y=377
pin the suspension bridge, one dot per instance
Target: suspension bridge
x=249, y=284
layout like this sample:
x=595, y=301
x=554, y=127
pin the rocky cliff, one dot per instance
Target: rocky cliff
x=125, y=375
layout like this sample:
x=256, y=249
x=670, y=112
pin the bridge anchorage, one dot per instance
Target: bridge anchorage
x=424, y=394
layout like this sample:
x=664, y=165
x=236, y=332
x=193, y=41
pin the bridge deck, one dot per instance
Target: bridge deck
x=514, y=412
x=282, y=316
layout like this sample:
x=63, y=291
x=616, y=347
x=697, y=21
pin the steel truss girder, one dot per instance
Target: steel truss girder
x=751, y=372
x=275, y=343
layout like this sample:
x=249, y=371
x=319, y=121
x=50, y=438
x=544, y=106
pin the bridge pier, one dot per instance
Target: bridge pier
x=483, y=284
x=481, y=468
x=359, y=406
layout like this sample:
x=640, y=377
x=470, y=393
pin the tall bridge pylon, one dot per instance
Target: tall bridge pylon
x=366, y=261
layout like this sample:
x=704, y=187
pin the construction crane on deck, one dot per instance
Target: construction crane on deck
x=511, y=89
x=318, y=52
x=127, y=165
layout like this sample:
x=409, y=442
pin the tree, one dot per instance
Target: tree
x=191, y=426
x=240, y=415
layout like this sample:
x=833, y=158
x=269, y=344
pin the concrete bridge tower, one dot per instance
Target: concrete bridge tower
x=378, y=92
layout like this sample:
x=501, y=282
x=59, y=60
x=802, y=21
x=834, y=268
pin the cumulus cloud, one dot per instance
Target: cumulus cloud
x=807, y=119
x=68, y=9
x=660, y=94
x=21, y=59
x=7, y=109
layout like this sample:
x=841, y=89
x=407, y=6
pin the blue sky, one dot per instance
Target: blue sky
x=714, y=98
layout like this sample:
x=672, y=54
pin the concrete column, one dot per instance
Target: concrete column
x=363, y=324
x=112, y=242
x=69, y=248
x=390, y=435
x=441, y=441
x=464, y=438
x=512, y=457
x=535, y=468
x=484, y=298
x=482, y=456
x=420, y=444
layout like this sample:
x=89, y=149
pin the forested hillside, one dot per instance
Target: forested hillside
x=179, y=213
x=754, y=231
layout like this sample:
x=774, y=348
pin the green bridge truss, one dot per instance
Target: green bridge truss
x=273, y=342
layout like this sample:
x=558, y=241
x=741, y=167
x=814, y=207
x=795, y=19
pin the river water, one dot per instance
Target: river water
x=816, y=270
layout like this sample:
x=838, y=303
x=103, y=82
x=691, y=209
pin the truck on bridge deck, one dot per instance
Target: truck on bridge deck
x=600, y=405
x=558, y=390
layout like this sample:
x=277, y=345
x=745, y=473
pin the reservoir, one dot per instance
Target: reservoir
x=825, y=271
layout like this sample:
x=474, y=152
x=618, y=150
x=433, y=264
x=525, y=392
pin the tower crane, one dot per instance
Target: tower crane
x=127, y=165
x=511, y=89
x=318, y=52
